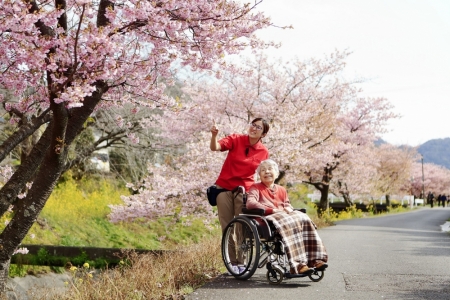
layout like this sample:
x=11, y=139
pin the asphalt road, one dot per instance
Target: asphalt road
x=402, y=256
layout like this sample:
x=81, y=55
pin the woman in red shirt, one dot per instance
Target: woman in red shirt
x=245, y=153
x=304, y=247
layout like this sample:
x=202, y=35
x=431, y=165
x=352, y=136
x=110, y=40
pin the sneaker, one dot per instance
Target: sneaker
x=236, y=270
x=320, y=265
x=241, y=269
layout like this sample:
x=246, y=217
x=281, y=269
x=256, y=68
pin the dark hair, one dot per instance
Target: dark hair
x=266, y=125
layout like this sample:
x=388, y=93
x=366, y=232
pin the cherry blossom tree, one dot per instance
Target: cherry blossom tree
x=353, y=179
x=394, y=170
x=375, y=171
x=292, y=97
x=358, y=124
x=436, y=179
x=65, y=60
x=313, y=112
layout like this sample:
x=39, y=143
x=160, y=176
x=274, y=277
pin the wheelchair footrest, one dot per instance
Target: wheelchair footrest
x=289, y=275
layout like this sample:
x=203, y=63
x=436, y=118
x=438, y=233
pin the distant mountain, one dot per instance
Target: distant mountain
x=436, y=152
x=379, y=142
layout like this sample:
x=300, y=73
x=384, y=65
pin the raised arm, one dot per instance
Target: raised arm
x=214, y=145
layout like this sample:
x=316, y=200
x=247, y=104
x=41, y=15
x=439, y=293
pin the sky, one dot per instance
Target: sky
x=400, y=47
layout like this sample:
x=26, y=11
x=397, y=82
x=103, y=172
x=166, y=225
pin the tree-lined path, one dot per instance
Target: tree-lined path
x=402, y=256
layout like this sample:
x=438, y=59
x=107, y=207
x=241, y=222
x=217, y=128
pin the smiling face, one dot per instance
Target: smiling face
x=267, y=173
x=255, y=130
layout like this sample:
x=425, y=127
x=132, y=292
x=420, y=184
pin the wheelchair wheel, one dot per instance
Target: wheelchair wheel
x=275, y=275
x=316, y=276
x=241, y=248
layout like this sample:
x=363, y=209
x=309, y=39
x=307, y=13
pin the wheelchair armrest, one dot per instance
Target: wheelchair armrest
x=256, y=211
x=303, y=210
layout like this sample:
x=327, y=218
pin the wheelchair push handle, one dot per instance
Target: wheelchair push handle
x=241, y=189
x=256, y=211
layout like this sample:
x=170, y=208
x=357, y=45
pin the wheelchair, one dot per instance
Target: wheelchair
x=254, y=240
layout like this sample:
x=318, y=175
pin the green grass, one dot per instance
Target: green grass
x=21, y=270
x=76, y=214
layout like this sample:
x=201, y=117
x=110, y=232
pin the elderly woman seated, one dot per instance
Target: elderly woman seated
x=303, y=246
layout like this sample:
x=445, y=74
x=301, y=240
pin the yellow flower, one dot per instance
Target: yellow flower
x=73, y=268
x=86, y=265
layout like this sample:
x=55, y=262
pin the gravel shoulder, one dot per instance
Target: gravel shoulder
x=37, y=287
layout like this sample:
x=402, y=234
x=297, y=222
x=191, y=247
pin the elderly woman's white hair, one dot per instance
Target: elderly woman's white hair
x=270, y=162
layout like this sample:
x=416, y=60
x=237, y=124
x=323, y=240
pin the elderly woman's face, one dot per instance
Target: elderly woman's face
x=267, y=173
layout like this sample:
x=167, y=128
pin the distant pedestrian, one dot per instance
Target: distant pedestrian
x=444, y=199
x=439, y=198
x=430, y=198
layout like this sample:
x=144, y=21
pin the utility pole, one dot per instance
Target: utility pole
x=423, y=179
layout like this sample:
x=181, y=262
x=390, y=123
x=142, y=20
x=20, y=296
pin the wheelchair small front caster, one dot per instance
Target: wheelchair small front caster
x=275, y=274
x=316, y=276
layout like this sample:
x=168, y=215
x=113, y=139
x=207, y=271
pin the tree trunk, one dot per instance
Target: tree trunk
x=347, y=199
x=323, y=204
x=25, y=172
x=61, y=132
x=27, y=209
x=324, y=188
x=343, y=191
x=4, y=271
x=388, y=200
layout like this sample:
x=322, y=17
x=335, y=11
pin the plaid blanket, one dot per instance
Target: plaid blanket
x=300, y=238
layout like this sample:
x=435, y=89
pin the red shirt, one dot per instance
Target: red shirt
x=239, y=168
x=260, y=196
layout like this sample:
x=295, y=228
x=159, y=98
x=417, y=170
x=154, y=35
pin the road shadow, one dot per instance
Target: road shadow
x=258, y=280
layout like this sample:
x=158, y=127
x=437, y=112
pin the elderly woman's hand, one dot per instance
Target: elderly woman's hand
x=288, y=209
